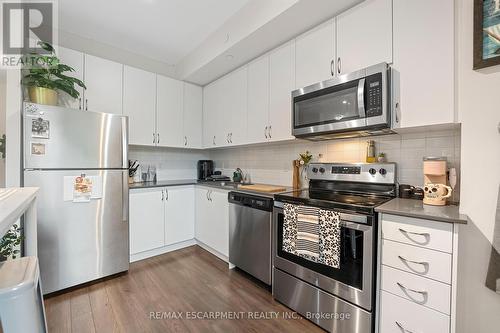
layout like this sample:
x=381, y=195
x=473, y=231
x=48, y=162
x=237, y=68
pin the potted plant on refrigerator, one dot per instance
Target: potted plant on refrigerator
x=45, y=75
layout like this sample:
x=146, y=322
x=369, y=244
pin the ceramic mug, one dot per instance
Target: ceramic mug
x=436, y=194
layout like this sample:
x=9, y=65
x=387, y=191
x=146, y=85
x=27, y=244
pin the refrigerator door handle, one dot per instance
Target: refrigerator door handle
x=125, y=196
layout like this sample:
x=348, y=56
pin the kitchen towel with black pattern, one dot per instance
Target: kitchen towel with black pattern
x=312, y=233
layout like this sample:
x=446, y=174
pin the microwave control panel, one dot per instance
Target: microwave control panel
x=374, y=95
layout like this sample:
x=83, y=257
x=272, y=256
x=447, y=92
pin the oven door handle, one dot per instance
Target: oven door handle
x=361, y=98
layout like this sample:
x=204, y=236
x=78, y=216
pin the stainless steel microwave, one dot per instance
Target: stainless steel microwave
x=355, y=104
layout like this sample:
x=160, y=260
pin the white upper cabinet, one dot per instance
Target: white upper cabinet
x=73, y=59
x=423, y=61
x=281, y=85
x=169, y=105
x=213, y=123
x=258, y=100
x=103, y=79
x=364, y=36
x=315, y=55
x=193, y=105
x=234, y=108
x=139, y=93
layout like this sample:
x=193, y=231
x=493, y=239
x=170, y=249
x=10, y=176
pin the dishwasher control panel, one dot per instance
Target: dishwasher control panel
x=251, y=201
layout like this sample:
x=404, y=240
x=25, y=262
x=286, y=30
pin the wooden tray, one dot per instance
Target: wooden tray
x=262, y=188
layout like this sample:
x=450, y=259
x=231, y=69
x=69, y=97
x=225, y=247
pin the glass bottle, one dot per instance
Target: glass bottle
x=370, y=152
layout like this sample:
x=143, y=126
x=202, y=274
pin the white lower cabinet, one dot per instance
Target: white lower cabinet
x=146, y=220
x=212, y=219
x=417, y=282
x=399, y=315
x=160, y=217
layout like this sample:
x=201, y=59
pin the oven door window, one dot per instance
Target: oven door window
x=329, y=105
x=350, y=271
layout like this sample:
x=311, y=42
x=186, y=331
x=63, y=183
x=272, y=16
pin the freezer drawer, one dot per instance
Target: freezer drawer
x=80, y=241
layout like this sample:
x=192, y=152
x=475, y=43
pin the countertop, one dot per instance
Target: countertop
x=416, y=208
x=228, y=186
x=13, y=203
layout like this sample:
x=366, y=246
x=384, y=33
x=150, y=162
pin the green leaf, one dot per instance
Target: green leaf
x=46, y=46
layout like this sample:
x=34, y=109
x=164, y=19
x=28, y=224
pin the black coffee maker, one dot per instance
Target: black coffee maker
x=205, y=169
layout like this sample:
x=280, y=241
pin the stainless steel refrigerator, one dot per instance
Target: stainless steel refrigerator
x=79, y=161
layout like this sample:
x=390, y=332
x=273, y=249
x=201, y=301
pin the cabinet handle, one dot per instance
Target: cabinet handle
x=421, y=292
x=185, y=141
x=166, y=195
x=158, y=138
x=423, y=234
x=80, y=103
x=162, y=195
x=398, y=112
x=339, y=65
x=231, y=137
x=227, y=138
x=86, y=104
x=213, y=140
x=423, y=263
x=332, y=67
x=207, y=195
x=270, y=131
x=265, y=133
x=154, y=138
x=401, y=327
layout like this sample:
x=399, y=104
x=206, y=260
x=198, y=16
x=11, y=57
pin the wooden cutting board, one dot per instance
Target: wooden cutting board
x=262, y=188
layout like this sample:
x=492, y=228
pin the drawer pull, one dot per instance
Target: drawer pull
x=407, y=234
x=403, y=330
x=424, y=264
x=423, y=293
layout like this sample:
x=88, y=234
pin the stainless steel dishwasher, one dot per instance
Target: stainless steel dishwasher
x=250, y=220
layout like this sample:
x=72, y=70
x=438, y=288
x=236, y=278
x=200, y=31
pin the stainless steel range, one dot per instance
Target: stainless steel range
x=337, y=299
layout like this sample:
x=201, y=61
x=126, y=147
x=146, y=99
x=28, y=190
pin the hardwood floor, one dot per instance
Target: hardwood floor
x=188, y=285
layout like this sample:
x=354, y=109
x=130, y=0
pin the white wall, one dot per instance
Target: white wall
x=479, y=112
x=13, y=102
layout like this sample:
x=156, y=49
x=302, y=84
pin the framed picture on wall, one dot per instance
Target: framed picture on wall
x=486, y=33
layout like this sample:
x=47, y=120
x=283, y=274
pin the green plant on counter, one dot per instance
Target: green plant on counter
x=305, y=157
x=46, y=71
x=9, y=243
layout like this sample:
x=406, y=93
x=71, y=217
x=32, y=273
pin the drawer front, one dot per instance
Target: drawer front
x=398, y=315
x=419, y=290
x=429, y=234
x=423, y=262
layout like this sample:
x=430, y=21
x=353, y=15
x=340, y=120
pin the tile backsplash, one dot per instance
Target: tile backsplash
x=272, y=163
x=170, y=163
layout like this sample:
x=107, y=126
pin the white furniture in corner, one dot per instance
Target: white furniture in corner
x=418, y=275
x=212, y=220
x=364, y=36
x=103, y=79
x=161, y=220
x=424, y=62
x=139, y=91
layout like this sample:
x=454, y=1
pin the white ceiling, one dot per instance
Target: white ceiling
x=163, y=30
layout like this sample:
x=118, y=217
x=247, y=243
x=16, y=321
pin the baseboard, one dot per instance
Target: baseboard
x=162, y=250
x=211, y=250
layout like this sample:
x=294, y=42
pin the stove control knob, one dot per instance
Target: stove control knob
x=314, y=170
x=322, y=170
x=372, y=171
x=382, y=171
